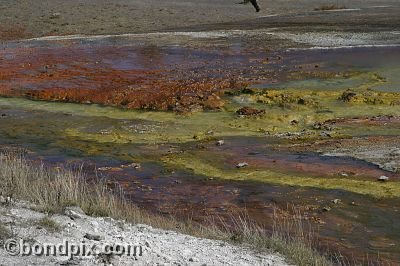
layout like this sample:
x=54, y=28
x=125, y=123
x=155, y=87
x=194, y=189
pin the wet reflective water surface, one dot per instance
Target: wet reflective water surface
x=107, y=104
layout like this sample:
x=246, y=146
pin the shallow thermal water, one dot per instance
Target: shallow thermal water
x=105, y=139
x=383, y=61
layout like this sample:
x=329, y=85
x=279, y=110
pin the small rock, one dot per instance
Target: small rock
x=241, y=165
x=3, y=200
x=347, y=96
x=325, y=134
x=336, y=201
x=317, y=125
x=71, y=225
x=6, y=200
x=220, y=142
x=71, y=261
x=55, y=15
x=301, y=101
x=105, y=168
x=135, y=165
x=93, y=237
x=249, y=111
x=383, y=178
x=74, y=212
x=132, y=165
x=326, y=209
x=194, y=259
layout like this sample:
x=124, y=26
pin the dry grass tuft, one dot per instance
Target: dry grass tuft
x=48, y=224
x=290, y=236
x=5, y=233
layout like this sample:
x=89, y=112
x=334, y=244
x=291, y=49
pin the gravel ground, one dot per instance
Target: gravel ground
x=158, y=247
x=34, y=18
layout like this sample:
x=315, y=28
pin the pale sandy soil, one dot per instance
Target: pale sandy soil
x=34, y=18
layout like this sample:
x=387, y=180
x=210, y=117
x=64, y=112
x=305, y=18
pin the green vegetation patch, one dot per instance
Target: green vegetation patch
x=207, y=168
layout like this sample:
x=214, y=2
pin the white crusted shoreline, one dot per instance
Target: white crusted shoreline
x=160, y=247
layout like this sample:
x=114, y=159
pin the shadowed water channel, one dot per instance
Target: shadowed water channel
x=106, y=139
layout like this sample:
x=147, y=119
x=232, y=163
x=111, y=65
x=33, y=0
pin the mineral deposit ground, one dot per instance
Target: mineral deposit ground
x=205, y=108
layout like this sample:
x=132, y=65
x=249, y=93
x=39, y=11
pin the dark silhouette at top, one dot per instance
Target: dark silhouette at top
x=255, y=4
